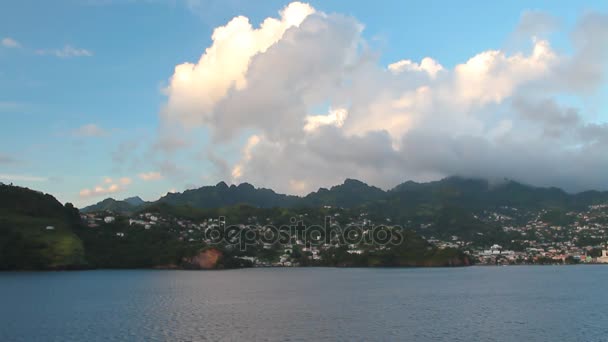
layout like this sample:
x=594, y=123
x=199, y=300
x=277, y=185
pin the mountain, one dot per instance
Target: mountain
x=135, y=201
x=126, y=206
x=222, y=195
x=479, y=193
x=37, y=232
x=352, y=193
x=404, y=200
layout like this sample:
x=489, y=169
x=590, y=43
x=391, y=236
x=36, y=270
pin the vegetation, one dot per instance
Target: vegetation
x=38, y=232
x=125, y=206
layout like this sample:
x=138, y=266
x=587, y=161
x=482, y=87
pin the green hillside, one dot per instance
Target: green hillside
x=37, y=232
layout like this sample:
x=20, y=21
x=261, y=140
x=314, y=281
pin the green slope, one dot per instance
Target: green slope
x=25, y=241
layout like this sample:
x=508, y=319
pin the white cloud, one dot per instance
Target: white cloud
x=67, y=51
x=221, y=67
x=247, y=150
x=99, y=191
x=492, y=76
x=150, y=176
x=496, y=114
x=428, y=65
x=108, y=186
x=10, y=43
x=89, y=130
x=335, y=117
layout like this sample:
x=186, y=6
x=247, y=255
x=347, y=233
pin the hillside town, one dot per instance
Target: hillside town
x=536, y=237
x=542, y=237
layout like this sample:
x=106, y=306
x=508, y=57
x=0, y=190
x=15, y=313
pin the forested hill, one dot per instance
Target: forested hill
x=37, y=232
x=127, y=205
x=222, y=195
x=452, y=191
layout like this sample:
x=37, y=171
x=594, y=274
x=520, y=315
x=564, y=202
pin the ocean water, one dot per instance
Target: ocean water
x=520, y=303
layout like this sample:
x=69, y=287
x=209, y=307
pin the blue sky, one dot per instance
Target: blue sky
x=79, y=80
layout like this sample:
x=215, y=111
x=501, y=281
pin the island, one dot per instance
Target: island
x=452, y=222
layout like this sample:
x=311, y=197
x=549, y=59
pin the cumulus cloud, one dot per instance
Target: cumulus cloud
x=150, y=176
x=67, y=51
x=221, y=68
x=335, y=117
x=585, y=70
x=497, y=114
x=237, y=171
x=427, y=65
x=10, y=43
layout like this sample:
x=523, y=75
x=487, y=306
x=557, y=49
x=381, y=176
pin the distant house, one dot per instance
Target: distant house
x=50, y=228
x=109, y=219
x=604, y=258
x=139, y=223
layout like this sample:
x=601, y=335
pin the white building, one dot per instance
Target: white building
x=604, y=258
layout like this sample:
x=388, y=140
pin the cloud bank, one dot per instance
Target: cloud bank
x=312, y=105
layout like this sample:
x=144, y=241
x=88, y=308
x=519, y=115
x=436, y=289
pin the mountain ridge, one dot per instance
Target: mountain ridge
x=455, y=190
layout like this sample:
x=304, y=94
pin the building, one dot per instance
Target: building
x=604, y=258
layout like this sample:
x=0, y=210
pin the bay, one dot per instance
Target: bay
x=519, y=303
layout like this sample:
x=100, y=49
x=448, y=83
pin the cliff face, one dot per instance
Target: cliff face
x=206, y=259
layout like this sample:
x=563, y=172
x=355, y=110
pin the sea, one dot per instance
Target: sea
x=511, y=303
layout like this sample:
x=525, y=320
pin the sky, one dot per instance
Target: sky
x=116, y=98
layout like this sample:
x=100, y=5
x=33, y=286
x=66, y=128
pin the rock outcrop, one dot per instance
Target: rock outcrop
x=207, y=259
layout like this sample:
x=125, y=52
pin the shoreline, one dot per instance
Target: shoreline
x=283, y=267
